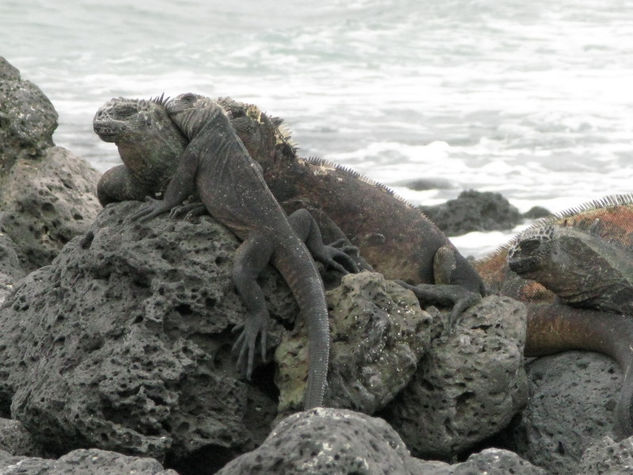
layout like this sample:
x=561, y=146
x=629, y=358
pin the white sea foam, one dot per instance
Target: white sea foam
x=516, y=97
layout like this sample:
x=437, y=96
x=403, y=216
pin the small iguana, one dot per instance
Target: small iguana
x=574, y=273
x=217, y=166
x=393, y=236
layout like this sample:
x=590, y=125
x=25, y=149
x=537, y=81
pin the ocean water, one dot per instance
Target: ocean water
x=530, y=99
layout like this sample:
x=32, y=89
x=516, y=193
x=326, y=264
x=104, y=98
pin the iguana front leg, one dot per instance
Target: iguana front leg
x=180, y=187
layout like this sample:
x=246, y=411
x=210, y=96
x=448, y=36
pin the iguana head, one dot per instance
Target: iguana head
x=149, y=142
x=262, y=136
x=579, y=266
x=191, y=112
x=532, y=250
x=128, y=120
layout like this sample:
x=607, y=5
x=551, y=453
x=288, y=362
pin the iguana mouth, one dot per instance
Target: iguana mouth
x=105, y=131
x=107, y=135
x=522, y=265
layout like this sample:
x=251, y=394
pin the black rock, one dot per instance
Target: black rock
x=474, y=211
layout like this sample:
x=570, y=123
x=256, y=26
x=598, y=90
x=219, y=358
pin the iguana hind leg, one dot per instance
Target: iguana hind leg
x=308, y=231
x=250, y=259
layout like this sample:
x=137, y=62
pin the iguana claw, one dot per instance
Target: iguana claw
x=188, y=210
x=150, y=210
x=337, y=259
x=247, y=342
x=444, y=294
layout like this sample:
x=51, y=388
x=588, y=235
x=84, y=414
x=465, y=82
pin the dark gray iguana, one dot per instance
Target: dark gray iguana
x=575, y=273
x=217, y=166
x=393, y=236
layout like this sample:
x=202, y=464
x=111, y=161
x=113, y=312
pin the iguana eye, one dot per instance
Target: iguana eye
x=530, y=245
x=189, y=97
x=125, y=110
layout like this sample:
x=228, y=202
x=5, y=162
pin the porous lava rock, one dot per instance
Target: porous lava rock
x=82, y=462
x=571, y=407
x=378, y=335
x=469, y=385
x=124, y=343
x=27, y=118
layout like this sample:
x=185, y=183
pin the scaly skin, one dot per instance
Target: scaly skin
x=148, y=142
x=583, y=257
x=393, y=236
x=229, y=183
x=573, y=272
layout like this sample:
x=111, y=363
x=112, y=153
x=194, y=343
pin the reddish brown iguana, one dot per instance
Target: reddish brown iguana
x=575, y=273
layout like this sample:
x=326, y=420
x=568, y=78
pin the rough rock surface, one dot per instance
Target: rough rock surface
x=82, y=462
x=378, y=333
x=10, y=268
x=46, y=193
x=123, y=343
x=46, y=202
x=27, y=118
x=473, y=211
x=496, y=462
x=608, y=456
x=572, y=398
x=16, y=440
x=470, y=384
x=325, y=440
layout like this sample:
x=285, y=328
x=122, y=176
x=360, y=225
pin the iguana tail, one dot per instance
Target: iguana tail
x=297, y=267
x=554, y=328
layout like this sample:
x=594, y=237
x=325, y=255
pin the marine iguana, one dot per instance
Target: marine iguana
x=575, y=275
x=216, y=164
x=583, y=256
x=393, y=236
x=552, y=327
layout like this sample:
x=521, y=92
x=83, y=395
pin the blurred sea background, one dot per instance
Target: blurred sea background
x=530, y=99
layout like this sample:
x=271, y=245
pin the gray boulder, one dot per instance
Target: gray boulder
x=378, y=332
x=123, y=343
x=327, y=440
x=572, y=401
x=46, y=193
x=469, y=385
x=27, y=118
x=44, y=203
x=82, y=462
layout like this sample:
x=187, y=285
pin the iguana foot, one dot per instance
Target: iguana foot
x=445, y=295
x=335, y=258
x=189, y=210
x=150, y=210
x=246, y=343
